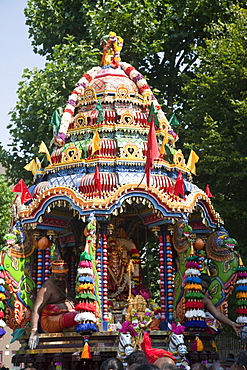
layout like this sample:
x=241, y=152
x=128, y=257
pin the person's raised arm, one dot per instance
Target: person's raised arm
x=220, y=316
x=41, y=300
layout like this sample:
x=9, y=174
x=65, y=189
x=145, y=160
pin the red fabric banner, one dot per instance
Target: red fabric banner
x=152, y=152
x=22, y=188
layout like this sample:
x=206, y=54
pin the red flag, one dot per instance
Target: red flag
x=152, y=152
x=21, y=187
x=179, y=186
x=96, y=179
x=208, y=192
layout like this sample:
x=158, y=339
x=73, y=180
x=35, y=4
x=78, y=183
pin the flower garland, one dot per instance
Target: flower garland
x=194, y=307
x=121, y=288
x=72, y=102
x=143, y=87
x=86, y=288
x=2, y=304
x=58, y=365
x=85, y=292
x=135, y=326
x=241, y=293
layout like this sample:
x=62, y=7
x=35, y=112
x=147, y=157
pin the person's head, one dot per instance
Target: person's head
x=240, y=361
x=168, y=366
x=206, y=281
x=136, y=357
x=112, y=363
x=147, y=367
x=198, y=366
x=133, y=366
x=216, y=366
x=162, y=361
x=59, y=271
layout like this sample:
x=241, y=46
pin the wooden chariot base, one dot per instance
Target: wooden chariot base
x=66, y=348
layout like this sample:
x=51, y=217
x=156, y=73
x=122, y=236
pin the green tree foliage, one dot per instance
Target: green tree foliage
x=160, y=36
x=216, y=115
x=6, y=199
x=149, y=255
x=40, y=92
x=160, y=39
x=163, y=39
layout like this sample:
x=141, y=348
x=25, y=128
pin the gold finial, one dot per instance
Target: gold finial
x=192, y=252
x=240, y=261
x=112, y=45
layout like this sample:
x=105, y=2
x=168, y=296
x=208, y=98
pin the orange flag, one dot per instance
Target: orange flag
x=21, y=187
x=152, y=152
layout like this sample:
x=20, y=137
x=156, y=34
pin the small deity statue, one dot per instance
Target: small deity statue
x=118, y=278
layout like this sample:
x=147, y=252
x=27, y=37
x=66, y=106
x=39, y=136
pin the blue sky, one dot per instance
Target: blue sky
x=16, y=55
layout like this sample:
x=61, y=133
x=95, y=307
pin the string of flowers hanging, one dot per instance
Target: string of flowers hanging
x=85, y=288
x=194, y=306
x=2, y=304
x=241, y=293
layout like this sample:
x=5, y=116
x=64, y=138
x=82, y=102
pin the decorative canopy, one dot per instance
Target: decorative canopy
x=98, y=162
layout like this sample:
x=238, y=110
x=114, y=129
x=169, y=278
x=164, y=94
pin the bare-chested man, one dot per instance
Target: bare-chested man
x=54, y=304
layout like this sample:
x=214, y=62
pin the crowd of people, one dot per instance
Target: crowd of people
x=137, y=360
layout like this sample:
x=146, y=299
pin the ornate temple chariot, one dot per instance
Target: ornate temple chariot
x=128, y=221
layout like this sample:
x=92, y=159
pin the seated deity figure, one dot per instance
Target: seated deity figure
x=123, y=264
x=54, y=305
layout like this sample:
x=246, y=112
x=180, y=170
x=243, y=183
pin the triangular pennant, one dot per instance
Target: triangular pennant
x=38, y=163
x=164, y=142
x=208, y=192
x=96, y=142
x=56, y=121
x=153, y=113
x=96, y=179
x=179, y=186
x=22, y=188
x=152, y=151
x=173, y=120
x=101, y=115
x=43, y=149
x=31, y=166
x=193, y=159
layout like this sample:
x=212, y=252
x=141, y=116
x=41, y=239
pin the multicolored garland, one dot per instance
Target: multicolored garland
x=241, y=293
x=194, y=306
x=144, y=89
x=85, y=288
x=162, y=279
x=72, y=102
x=2, y=304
